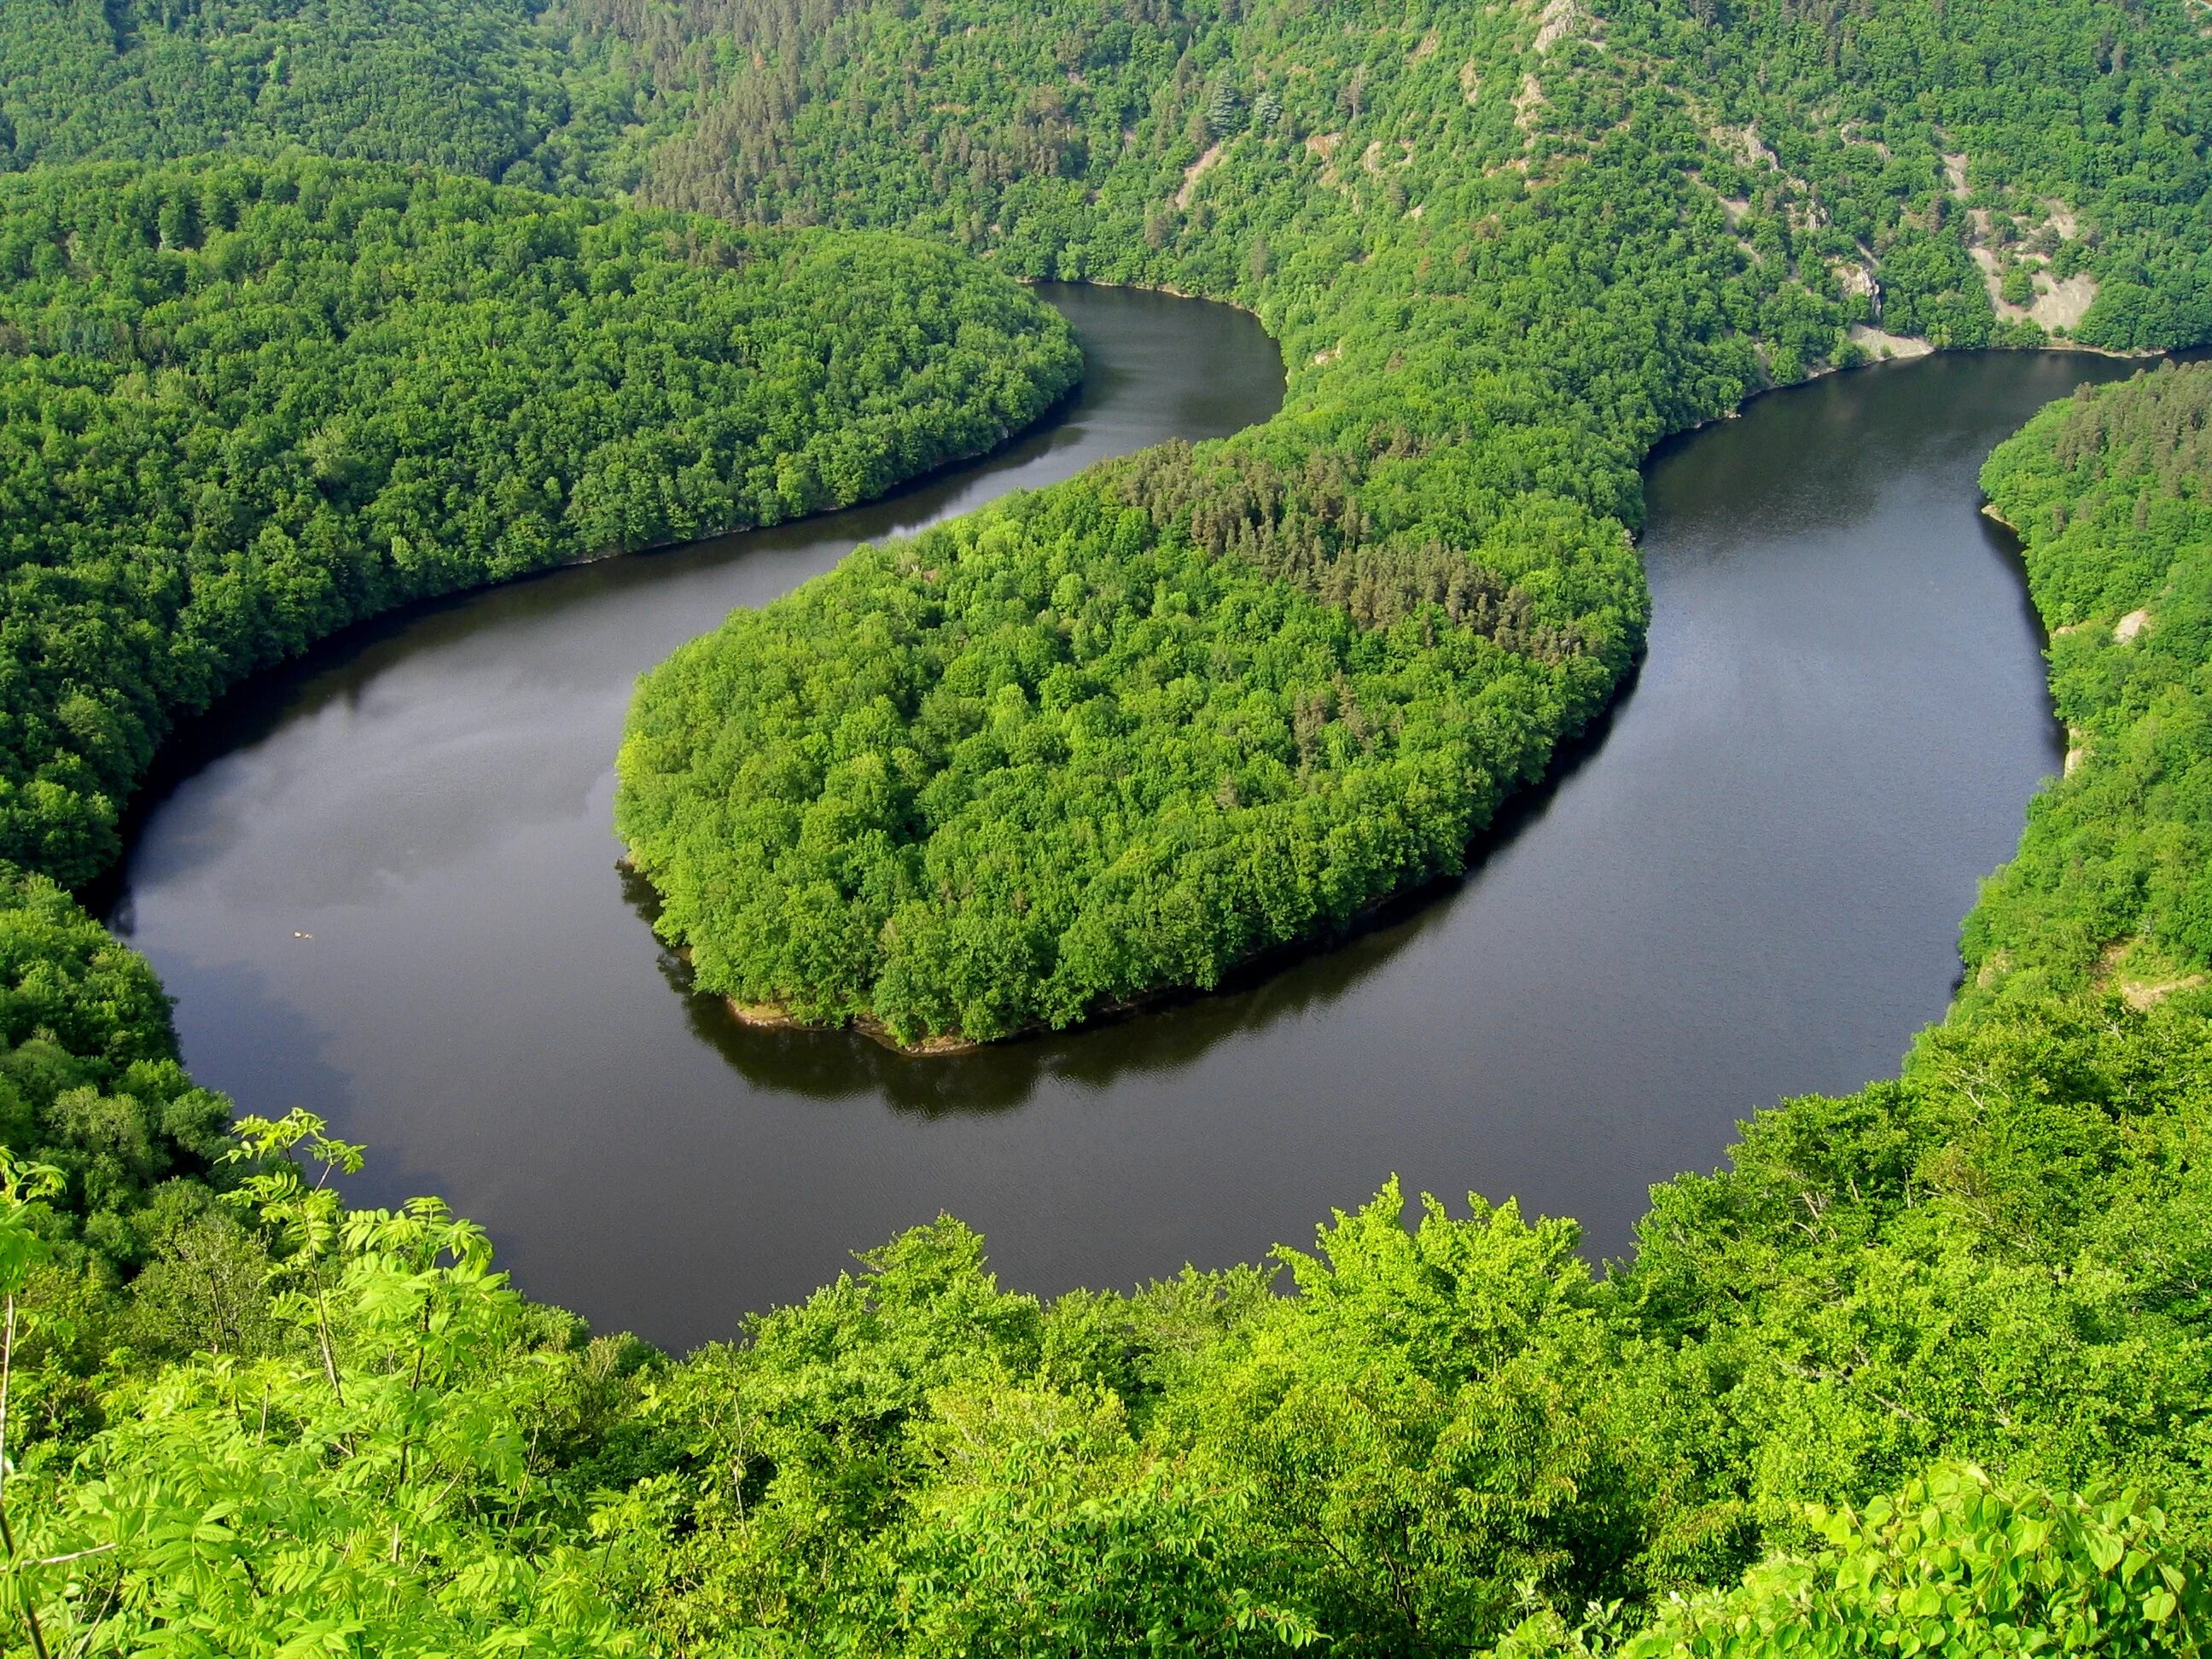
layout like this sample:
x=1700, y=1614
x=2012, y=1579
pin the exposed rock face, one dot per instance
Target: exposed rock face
x=1877, y=342
x=1194, y=171
x=2060, y=303
x=1559, y=18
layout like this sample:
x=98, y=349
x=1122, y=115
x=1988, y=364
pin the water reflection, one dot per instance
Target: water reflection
x=1288, y=986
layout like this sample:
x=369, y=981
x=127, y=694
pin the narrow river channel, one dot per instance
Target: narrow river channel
x=382, y=884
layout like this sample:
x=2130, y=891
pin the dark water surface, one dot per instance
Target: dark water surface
x=1746, y=886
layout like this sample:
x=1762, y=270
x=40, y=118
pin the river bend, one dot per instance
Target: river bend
x=382, y=884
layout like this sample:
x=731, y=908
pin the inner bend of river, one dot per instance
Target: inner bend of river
x=382, y=884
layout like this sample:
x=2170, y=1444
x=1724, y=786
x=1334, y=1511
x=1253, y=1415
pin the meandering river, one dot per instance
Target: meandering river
x=382, y=884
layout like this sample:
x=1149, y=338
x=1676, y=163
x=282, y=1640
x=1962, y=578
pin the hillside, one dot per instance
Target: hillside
x=1022, y=774
x=244, y=404
x=459, y=84
x=2114, y=884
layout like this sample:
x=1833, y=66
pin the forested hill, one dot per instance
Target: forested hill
x=2047, y=160
x=1071, y=758
x=2113, y=883
x=1940, y=152
x=244, y=403
x=458, y=84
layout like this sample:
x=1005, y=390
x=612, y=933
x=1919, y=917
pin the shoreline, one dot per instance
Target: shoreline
x=776, y=1017
x=1381, y=911
x=1735, y=412
x=772, y=1016
x=99, y=892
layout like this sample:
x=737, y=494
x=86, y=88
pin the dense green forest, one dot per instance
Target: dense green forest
x=243, y=403
x=456, y=85
x=2113, y=883
x=1924, y=1370
x=1023, y=772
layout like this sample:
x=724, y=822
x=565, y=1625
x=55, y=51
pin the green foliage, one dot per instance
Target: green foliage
x=89, y=1082
x=1935, y=291
x=1419, y=1433
x=2113, y=882
x=456, y=84
x=1955, y=1564
x=385, y=1497
x=243, y=403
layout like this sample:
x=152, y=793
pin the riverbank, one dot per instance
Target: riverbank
x=1745, y=885
x=1258, y=968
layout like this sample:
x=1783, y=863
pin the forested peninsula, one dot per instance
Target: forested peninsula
x=1924, y=1370
x=1092, y=748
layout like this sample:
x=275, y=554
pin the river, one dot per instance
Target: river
x=382, y=884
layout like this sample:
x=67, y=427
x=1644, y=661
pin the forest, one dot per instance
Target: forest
x=997, y=781
x=1923, y=1369
x=243, y=403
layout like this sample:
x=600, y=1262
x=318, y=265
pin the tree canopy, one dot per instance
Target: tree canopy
x=244, y=403
x=1107, y=744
